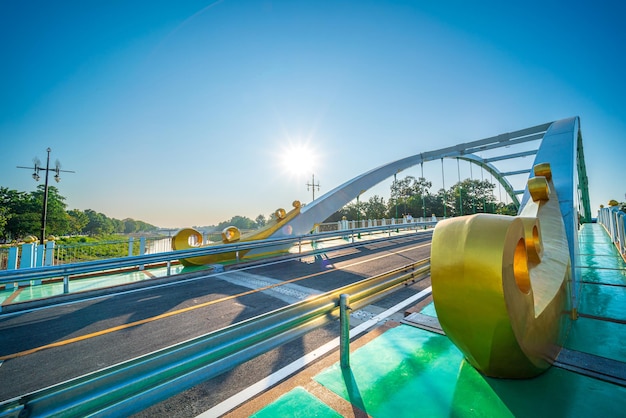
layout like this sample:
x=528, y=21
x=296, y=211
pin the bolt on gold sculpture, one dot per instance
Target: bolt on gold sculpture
x=501, y=284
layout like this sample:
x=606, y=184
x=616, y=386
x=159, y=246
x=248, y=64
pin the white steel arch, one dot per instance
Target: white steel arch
x=335, y=199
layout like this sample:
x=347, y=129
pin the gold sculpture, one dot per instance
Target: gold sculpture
x=501, y=283
x=189, y=238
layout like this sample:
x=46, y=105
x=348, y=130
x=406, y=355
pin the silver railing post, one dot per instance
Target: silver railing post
x=66, y=283
x=344, y=337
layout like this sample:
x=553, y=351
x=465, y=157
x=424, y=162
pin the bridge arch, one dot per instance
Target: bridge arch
x=335, y=199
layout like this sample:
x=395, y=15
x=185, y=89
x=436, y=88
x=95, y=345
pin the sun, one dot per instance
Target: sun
x=298, y=159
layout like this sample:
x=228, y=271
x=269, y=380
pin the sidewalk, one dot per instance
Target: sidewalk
x=411, y=369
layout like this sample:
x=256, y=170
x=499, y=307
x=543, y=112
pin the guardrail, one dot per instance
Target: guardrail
x=133, y=246
x=614, y=221
x=134, y=385
x=64, y=253
x=67, y=271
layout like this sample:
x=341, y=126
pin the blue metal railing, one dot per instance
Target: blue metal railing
x=68, y=271
x=89, y=251
x=614, y=221
x=132, y=386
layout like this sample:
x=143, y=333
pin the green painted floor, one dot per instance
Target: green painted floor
x=297, y=403
x=601, y=327
x=417, y=373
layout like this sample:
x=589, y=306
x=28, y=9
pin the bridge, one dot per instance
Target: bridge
x=478, y=308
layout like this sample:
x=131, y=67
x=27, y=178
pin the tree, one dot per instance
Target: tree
x=433, y=205
x=241, y=222
x=78, y=221
x=4, y=217
x=375, y=208
x=260, y=221
x=410, y=193
x=57, y=219
x=22, y=218
x=130, y=226
x=508, y=209
x=118, y=225
x=353, y=211
x=471, y=196
x=98, y=223
x=5, y=212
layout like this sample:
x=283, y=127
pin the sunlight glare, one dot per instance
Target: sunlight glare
x=298, y=159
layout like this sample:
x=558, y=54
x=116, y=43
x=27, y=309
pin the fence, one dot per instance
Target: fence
x=13, y=278
x=614, y=221
x=82, y=252
x=131, y=386
x=11, y=257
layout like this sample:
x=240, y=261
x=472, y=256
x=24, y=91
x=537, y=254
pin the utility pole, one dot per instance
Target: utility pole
x=37, y=168
x=312, y=185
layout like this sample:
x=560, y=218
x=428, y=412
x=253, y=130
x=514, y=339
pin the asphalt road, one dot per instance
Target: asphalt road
x=47, y=346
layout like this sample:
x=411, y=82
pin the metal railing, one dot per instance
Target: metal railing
x=134, y=385
x=133, y=246
x=68, y=271
x=614, y=221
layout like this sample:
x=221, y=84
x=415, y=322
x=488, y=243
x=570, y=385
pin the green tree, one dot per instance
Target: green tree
x=375, y=208
x=241, y=222
x=118, y=225
x=4, y=217
x=22, y=217
x=433, y=205
x=351, y=211
x=5, y=212
x=98, y=223
x=78, y=221
x=408, y=196
x=130, y=226
x=470, y=196
x=260, y=221
x=145, y=227
x=506, y=209
x=57, y=219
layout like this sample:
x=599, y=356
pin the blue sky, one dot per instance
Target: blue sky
x=181, y=113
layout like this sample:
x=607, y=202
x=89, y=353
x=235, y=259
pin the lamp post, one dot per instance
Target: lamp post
x=57, y=177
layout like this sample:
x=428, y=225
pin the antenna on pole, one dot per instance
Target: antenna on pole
x=312, y=185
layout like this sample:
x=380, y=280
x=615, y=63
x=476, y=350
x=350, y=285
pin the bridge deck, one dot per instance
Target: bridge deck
x=416, y=371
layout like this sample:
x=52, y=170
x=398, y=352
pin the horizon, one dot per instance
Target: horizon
x=185, y=114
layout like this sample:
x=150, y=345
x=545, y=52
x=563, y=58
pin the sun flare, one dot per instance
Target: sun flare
x=298, y=159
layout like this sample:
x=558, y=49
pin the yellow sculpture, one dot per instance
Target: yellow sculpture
x=500, y=284
x=190, y=238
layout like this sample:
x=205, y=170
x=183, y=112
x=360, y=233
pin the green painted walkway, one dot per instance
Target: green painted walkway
x=410, y=372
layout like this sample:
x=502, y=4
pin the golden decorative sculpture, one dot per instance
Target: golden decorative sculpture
x=190, y=238
x=500, y=284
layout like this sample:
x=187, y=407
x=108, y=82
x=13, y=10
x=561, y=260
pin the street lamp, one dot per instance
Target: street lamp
x=57, y=177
